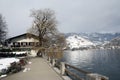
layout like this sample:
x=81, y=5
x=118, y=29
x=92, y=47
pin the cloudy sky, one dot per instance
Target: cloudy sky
x=72, y=15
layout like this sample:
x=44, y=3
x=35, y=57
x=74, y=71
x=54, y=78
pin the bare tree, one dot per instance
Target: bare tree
x=45, y=28
x=57, y=43
x=3, y=29
x=44, y=24
x=59, y=40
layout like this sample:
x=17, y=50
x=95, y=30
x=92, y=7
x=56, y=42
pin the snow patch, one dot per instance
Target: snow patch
x=2, y=76
x=5, y=63
x=77, y=42
x=29, y=62
x=26, y=69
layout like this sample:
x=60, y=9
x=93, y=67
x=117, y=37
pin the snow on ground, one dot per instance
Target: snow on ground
x=76, y=41
x=20, y=52
x=3, y=76
x=5, y=63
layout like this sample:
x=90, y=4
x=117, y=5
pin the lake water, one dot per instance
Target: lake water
x=105, y=62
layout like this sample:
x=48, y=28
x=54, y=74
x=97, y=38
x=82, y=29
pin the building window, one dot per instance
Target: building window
x=24, y=44
x=31, y=43
x=16, y=44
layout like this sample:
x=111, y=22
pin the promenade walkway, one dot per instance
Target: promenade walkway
x=39, y=70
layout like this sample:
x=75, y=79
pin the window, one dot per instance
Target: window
x=31, y=43
x=23, y=44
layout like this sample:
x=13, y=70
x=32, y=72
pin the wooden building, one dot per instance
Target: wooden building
x=26, y=42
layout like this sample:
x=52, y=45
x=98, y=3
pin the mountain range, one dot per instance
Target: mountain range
x=114, y=43
x=78, y=40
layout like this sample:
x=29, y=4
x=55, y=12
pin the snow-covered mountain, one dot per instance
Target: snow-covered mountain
x=77, y=42
x=96, y=38
x=114, y=43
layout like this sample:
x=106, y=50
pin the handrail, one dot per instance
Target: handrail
x=71, y=73
x=80, y=70
x=64, y=70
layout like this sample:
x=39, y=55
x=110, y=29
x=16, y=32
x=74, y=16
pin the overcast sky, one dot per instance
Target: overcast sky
x=72, y=15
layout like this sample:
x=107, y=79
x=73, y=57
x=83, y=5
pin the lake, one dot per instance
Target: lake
x=105, y=62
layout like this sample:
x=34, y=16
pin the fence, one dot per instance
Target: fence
x=65, y=69
x=89, y=76
x=52, y=57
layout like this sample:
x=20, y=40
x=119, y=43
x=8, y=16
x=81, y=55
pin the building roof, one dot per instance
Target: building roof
x=25, y=34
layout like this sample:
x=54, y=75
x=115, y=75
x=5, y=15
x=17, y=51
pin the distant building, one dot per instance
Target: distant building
x=26, y=42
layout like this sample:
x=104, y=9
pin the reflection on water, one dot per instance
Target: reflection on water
x=106, y=62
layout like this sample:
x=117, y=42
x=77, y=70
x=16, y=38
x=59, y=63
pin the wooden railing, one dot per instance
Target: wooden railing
x=80, y=70
x=73, y=74
x=89, y=76
x=65, y=69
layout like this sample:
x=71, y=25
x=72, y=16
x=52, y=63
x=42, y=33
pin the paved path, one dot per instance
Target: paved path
x=39, y=70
